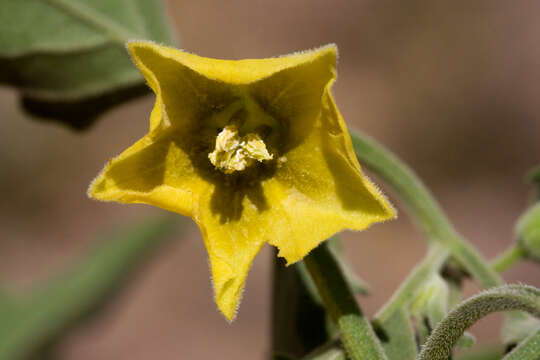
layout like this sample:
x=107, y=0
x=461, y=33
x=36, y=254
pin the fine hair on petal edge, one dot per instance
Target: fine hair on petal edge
x=236, y=306
x=382, y=195
x=294, y=53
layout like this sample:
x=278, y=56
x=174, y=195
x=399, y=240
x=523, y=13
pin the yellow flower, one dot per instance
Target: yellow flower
x=253, y=150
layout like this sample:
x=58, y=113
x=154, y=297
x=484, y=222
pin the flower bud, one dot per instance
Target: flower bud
x=534, y=178
x=430, y=304
x=528, y=232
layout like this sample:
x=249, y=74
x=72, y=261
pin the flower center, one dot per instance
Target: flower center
x=235, y=153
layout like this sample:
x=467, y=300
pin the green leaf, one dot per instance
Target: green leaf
x=517, y=326
x=67, y=57
x=6, y=302
x=397, y=336
x=39, y=318
x=430, y=304
x=484, y=354
x=528, y=349
x=422, y=272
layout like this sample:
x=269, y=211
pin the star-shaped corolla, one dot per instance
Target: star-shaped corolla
x=255, y=151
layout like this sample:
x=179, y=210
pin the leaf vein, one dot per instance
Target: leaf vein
x=113, y=31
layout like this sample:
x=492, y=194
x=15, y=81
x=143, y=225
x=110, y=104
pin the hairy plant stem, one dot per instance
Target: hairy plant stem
x=427, y=214
x=357, y=336
x=440, y=343
x=433, y=261
x=509, y=257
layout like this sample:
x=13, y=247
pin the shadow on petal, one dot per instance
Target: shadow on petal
x=354, y=190
x=351, y=187
x=227, y=201
x=229, y=189
x=139, y=172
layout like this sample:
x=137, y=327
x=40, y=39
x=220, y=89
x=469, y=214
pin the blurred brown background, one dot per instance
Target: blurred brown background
x=451, y=86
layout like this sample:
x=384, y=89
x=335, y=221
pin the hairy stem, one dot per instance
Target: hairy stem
x=508, y=297
x=418, y=199
x=423, y=207
x=298, y=321
x=357, y=335
x=433, y=261
x=508, y=258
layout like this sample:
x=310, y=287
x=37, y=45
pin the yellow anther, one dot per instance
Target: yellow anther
x=235, y=153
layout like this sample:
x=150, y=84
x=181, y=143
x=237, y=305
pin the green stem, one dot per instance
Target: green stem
x=474, y=263
x=508, y=258
x=433, y=261
x=298, y=320
x=421, y=204
x=440, y=343
x=357, y=336
x=423, y=207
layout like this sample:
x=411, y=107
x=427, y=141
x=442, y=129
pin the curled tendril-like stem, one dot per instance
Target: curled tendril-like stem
x=508, y=297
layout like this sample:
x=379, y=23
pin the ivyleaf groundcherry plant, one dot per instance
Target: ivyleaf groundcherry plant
x=255, y=151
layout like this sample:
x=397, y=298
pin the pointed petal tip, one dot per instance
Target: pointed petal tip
x=330, y=50
x=228, y=289
x=321, y=50
x=230, y=315
x=134, y=44
x=228, y=303
x=95, y=190
x=391, y=212
x=92, y=191
x=134, y=48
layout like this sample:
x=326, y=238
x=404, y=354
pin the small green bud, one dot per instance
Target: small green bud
x=528, y=232
x=534, y=178
x=430, y=305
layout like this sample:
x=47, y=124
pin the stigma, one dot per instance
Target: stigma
x=234, y=153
